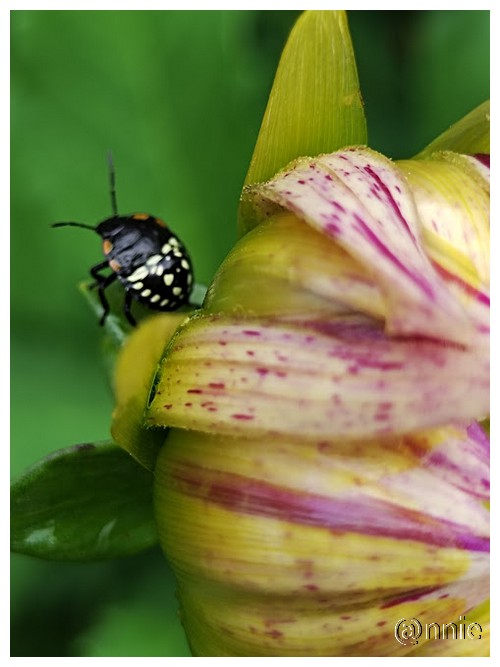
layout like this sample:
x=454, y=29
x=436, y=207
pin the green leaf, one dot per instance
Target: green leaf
x=471, y=134
x=87, y=502
x=315, y=105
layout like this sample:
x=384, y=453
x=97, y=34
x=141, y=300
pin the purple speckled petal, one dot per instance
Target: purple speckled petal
x=363, y=514
x=482, y=161
x=452, y=197
x=362, y=200
x=463, y=460
x=346, y=378
x=321, y=520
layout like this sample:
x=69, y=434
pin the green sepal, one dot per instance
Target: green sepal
x=84, y=503
x=471, y=134
x=315, y=105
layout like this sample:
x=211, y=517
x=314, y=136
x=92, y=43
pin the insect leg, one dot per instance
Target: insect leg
x=126, y=308
x=101, y=282
x=94, y=272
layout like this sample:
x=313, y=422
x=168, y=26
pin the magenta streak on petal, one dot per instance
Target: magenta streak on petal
x=411, y=597
x=476, y=433
x=368, y=516
x=482, y=297
x=456, y=474
x=374, y=239
x=348, y=331
x=380, y=365
x=483, y=158
x=373, y=174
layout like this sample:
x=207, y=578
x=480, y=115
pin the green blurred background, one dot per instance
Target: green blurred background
x=178, y=96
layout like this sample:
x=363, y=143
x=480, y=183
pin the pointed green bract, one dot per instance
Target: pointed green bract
x=315, y=105
x=471, y=134
x=87, y=502
x=133, y=376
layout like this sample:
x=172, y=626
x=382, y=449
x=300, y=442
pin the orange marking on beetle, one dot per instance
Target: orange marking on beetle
x=160, y=222
x=107, y=246
x=114, y=265
x=140, y=216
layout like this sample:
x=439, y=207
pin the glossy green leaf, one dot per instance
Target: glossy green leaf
x=471, y=134
x=315, y=105
x=87, y=502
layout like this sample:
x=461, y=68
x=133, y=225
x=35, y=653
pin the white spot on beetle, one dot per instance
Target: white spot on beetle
x=155, y=298
x=139, y=274
x=166, y=249
x=159, y=270
x=154, y=259
x=164, y=302
x=185, y=264
x=168, y=279
x=138, y=285
x=146, y=292
x=177, y=291
x=173, y=241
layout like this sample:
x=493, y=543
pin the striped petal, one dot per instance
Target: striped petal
x=324, y=478
x=457, y=237
x=284, y=268
x=346, y=377
x=317, y=528
x=363, y=202
x=471, y=633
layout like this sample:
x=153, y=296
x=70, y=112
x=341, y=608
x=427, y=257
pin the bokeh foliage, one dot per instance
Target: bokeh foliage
x=178, y=96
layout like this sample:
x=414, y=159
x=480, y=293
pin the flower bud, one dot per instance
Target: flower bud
x=325, y=475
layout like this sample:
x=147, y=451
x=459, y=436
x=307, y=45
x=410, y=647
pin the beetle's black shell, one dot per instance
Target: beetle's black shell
x=149, y=260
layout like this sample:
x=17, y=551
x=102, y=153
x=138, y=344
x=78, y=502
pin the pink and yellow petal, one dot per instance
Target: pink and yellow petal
x=468, y=635
x=455, y=236
x=284, y=268
x=345, y=377
x=352, y=566
x=362, y=201
x=245, y=626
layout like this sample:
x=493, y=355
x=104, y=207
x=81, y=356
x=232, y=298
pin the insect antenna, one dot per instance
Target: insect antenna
x=73, y=224
x=112, y=184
